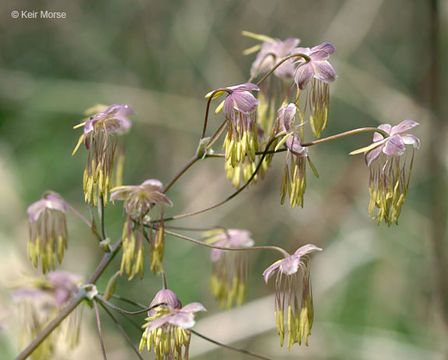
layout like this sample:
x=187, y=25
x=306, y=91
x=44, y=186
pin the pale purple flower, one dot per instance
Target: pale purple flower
x=229, y=238
x=167, y=326
x=291, y=319
x=271, y=53
x=318, y=67
x=240, y=100
x=394, y=144
x=138, y=199
x=47, y=231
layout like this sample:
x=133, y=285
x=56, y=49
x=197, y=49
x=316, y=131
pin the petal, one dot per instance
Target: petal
x=288, y=45
x=304, y=74
x=159, y=322
x=244, y=102
x=121, y=192
x=307, y=249
x=409, y=139
x=324, y=71
x=290, y=265
x=268, y=272
x=228, y=108
x=216, y=254
x=244, y=87
x=405, y=125
x=153, y=183
x=286, y=115
x=293, y=145
x=373, y=154
x=183, y=319
x=322, y=51
x=394, y=146
x=35, y=209
x=193, y=307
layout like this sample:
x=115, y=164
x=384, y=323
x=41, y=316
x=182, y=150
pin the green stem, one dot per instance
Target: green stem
x=122, y=311
x=100, y=332
x=101, y=214
x=202, y=243
x=346, y=133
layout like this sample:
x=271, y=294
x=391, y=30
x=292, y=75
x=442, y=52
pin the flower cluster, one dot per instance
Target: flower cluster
x=390, y=171
x=298, y=321
x=48, y=231
x=138, y=202
x=100, y=141
x=229, y=273
x=40, y=299
x=167, y=326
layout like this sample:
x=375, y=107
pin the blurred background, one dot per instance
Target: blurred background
x=379, y=292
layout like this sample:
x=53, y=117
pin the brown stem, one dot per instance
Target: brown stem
x=100, y=332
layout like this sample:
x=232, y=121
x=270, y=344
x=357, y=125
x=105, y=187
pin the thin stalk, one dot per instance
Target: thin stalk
x=344, y=134
x=230, y=197
x=207, y=109
x=202, y=243
x=125, y=312
x=165, y=286
x=183, y=169
x=123, y=332
x=242, y=351
x=101, y=215
x=184, y=228
x=100, y=332
x=303, y=56
x=82, y=217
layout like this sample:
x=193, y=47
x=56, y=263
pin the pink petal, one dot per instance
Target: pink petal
x=286, y=115
x=373, y=154
x=288, y=45
x=307, y=249
x=290, y=265
x=324, y=71
x=122, y=194
x=216, y=254
x=244, y=87
x=293, y=145
x=193, y=307
x=228, y=108
x=268, y=272
x=153, y=183
x=405, y=125
x=244, y=101
x=159, y=322
x=304, y=74
x=183, y=320
x=322, y=51
x=394, y=146
x=409, y=139
x=386, y=128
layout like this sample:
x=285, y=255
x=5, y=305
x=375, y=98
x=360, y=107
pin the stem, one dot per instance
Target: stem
x=303, y=56
x=180, y=236
x=207, y=109
x=217, y=227
x=165, y=286
x=176, y=217
x=78, y=214
x=247, y=352
x=123, y=332
x=122, y=311
x=184, y=168
x=100, y=333
x=346, y=133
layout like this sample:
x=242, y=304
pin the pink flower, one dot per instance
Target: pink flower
x=394, y=145
x=291, y=319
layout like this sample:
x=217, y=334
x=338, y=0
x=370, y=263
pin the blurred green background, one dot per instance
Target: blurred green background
x=375, y=288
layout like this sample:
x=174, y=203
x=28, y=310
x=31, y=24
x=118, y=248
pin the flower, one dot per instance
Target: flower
x=294, y=174
x=271, y=52
x=48, y=231
x=99, y=139
x=229, y=272
x=240, y=142
x=40, y=300
x=299, y=321
x=138, y=201
x=389, y=171
x=167, y=326
x=319, y=72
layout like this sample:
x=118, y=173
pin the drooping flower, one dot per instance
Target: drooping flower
x=390, y=171
x=39, y=300
x=298, y=320
x=99, y=138
x=318, y=72
x=272, y=51
x=138, y=202
x=229, y=272
x=294, y=175
x=167, y=326
x=48, y=231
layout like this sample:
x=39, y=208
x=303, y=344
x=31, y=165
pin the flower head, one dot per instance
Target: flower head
x=289, y=271
x=40, y=299
x=389, y=170
x=167, y=326
x=294, y=175
x=271, y=52
x=100, y=140
x=48, y=231
x=139, y=200
x=229, y=273
x=319, y=72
